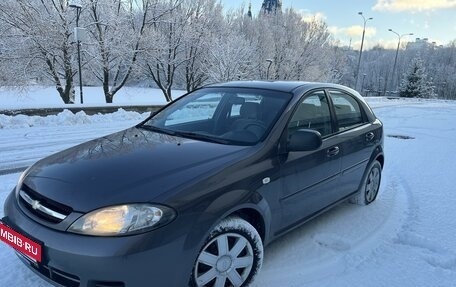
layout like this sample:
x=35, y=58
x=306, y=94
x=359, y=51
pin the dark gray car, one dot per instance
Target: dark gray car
x=193, y=194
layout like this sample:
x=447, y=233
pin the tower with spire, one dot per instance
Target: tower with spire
x=271, y=7
x=249, y=13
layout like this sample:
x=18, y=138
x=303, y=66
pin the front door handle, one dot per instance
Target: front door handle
x=333, y=151
x=370, y=136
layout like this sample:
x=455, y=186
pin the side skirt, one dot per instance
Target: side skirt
x=310, y=217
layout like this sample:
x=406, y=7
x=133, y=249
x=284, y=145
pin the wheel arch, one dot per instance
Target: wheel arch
x=378, y=155
x=253, y=217
x=252, y=208
x=381, y=159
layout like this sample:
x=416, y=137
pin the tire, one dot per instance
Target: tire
x=370, y=185
x=233, y=242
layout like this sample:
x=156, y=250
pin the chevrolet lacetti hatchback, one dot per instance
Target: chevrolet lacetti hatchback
x=190, y=196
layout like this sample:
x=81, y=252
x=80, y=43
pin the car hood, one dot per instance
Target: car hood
x=134, y=165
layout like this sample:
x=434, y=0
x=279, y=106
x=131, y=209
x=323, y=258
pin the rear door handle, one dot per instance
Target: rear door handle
x=333, y=151
x=370, y=136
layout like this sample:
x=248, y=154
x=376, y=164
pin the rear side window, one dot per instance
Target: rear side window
x=347, y=109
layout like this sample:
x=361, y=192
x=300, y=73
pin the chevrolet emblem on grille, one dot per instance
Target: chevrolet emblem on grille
x=36, y=204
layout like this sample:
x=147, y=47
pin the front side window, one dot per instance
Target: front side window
x=347, y=109
x=312, y=113
x=223, y=115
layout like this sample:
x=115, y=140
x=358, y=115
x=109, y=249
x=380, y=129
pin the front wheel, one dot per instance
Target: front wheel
x=370, y=185
x=232, y=255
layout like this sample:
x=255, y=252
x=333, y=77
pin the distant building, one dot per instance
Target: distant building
x=271, y=7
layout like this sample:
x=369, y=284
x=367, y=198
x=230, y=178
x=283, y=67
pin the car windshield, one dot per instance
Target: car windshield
x=223, y=115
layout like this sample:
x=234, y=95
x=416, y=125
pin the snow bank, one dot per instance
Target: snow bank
x=379, y=102
x=67, y=118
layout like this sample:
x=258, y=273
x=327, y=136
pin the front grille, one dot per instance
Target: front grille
x=109, y=284
x=63, y=278
x=42, y=207
x=58, y=276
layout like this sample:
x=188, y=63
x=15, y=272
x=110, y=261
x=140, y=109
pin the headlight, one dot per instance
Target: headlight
x=123, y=220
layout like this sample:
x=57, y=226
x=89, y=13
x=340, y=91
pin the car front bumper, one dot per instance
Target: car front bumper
x=156, y=258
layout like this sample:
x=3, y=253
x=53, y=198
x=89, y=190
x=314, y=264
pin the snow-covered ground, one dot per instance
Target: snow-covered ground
x=405, y=238
x=34, y=97
x=24, y=139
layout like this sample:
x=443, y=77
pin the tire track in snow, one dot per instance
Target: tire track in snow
x=333, y=244
x=431, y=251
x=12, y=170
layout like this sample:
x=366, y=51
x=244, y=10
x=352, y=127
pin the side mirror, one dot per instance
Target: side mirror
x=304, y=140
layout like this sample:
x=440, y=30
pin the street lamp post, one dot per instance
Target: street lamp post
x=362, y=85
x=443, y=90
x=397, y=52
x=77, y=4
x=362, y=44
x=269, y=66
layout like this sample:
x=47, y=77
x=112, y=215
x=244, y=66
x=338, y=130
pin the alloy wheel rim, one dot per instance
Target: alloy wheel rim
x=372, y=184
x=226, y=259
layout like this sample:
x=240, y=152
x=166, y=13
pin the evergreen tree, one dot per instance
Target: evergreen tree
x=417, y=84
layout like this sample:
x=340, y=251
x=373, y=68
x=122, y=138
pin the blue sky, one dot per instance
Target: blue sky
x=433, y=19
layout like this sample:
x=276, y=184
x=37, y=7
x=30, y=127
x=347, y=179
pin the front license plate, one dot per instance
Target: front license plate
x=23, y=244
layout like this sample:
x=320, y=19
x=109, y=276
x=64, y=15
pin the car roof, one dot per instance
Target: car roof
x=282, y=86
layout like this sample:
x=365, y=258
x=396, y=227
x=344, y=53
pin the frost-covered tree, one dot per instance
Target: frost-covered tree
x=43, y=30
x=299, y=50
x=118, y=27
x=375, y=70
x=417, y=84
x=185, y=44
x=229, y=59
x=439, y=63
x=164, y=50
x=12, y=64
x=204, y=25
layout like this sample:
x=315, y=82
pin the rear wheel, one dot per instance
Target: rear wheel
x=370, y=185
x=232, y=255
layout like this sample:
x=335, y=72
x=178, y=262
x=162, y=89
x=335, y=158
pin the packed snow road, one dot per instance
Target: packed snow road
x=405, y=238
x=20, y=146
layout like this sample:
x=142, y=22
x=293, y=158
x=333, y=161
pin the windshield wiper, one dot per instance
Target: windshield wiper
x=158, y=130
x=203, y=137
x=191, y=135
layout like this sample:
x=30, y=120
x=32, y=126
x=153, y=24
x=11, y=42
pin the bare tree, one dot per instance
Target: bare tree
x=188, y=43
x=44, y=30
x=204, y=25
x=164, y=50
x=12, y=64
x=118, y=27
x=229, y=58
x=298, y=49
x=438, y=61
